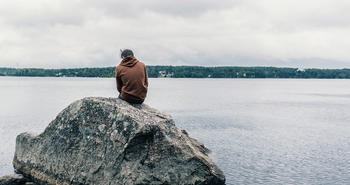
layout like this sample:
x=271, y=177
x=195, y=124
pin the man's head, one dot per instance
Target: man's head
x=126, y=53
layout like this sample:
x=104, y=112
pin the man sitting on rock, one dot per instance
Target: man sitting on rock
x=132, y=79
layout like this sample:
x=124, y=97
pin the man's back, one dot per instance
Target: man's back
x=132, y=80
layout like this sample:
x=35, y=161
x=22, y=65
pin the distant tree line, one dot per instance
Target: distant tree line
x=186, y=72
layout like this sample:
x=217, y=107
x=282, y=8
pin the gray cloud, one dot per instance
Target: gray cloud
x=181, y=8
x=74, y=33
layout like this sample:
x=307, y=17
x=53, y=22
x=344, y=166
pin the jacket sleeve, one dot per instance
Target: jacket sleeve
x=146, y=77
x=118, y=80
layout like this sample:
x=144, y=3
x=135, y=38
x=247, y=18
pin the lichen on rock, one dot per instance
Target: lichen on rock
x=109, y=141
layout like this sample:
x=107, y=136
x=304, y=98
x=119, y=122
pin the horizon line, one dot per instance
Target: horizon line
x=1, y=67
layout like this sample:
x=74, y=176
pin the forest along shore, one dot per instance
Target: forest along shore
x=187, y=72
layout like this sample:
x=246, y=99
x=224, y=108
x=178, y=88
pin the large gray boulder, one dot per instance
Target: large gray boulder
x=108, y=141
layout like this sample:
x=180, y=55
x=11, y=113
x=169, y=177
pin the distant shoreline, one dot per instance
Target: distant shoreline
x=187, y=72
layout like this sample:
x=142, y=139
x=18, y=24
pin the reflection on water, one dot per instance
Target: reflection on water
x=260, y=131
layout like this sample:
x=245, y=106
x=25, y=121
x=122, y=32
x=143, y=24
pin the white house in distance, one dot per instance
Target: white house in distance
x=164, y=74
x=301, y=70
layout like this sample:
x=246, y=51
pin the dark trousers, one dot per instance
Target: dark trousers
x=131, y=100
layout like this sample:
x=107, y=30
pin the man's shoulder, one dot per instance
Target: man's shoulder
x=141, y=63
x=119, y=68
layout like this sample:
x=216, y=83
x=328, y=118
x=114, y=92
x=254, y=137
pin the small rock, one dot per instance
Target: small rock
x=14, y=179
x=29, y=183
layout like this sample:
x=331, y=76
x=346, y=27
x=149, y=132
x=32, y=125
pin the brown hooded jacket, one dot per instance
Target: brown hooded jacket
x=132, y=80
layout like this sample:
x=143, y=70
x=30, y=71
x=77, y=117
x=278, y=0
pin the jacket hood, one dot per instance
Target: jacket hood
x=129, y=61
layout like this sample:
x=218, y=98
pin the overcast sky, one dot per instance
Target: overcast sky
x=89, y=33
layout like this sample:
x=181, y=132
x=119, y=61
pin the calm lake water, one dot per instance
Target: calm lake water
x=260, y=131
